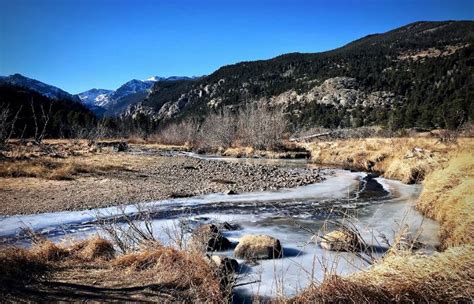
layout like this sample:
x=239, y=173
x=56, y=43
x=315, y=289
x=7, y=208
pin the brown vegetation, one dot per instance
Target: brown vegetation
x=256, y=127
x=54, y=169
x=442, y=278
x=448, y=197
x=89, y=266
x=406, y=159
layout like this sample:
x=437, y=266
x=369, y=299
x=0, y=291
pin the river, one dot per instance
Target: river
x=377, y=207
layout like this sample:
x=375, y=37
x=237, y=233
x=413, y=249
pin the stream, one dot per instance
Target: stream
x=378, y=207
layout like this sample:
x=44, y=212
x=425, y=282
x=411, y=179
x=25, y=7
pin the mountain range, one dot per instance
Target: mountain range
x=421, y=75
x=100, y=101
x=37, y=86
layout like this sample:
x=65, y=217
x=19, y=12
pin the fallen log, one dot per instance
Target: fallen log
x=312, y=136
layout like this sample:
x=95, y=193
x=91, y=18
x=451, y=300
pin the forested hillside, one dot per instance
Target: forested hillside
x=420, y=75
x=33, y=115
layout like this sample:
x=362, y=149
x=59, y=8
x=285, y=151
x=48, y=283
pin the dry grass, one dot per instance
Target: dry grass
x=63, y=159
x=287, y=150
x=182, y=269
x=155, y=146
x=54, y=169
x=406, y=159
x=441, y=278
x=19, y=265
x=448, y=197
x=187, y=276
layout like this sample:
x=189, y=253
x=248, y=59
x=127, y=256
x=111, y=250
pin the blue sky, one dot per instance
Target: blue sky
x=81, y=44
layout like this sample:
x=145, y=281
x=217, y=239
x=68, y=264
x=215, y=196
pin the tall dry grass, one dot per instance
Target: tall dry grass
x=19, y=264
x=185, y=270
x=448, y=197
x=406, y=159
x=185, y=276
x=441, y=278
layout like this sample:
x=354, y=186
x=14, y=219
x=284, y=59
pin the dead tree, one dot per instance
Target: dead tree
x=7, y=125
x=41, y=123
x=100, y=131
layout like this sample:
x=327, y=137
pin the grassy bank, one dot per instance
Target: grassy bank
x=447, y=196
x=406, y=159
x=403, y=278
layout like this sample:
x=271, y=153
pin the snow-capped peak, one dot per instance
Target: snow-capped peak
x=108, y=99
x=155, y=78
x=170, y=78
x=94, y=96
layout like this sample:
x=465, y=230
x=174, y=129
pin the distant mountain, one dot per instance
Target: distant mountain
x=420, y=75
x=37, y=86
x=131, y=87
x=171, y=78
x=94, y=96
x=113, y=102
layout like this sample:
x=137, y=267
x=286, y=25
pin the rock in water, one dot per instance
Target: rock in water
x=258, y=247
x=225, y=264
x=209, y=237
x=341, y=240
x=226, y=269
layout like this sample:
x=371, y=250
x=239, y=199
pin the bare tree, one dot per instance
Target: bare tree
x=100, y=131
x=256, y=126
x=219, y=130
x=261, y=127
x=41, y=122
x=181, y=133
x=7, y=124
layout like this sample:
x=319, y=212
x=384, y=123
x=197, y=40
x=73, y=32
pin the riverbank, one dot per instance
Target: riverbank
x=445, y=170
x=105, y=178
x=408, y=159
x=447, y=196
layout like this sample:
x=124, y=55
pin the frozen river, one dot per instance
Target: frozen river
x=379, y=208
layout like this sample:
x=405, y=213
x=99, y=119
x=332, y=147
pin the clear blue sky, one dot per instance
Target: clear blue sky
x=80, y=44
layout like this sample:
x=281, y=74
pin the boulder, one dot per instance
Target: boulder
x=225, y=264
x=341, y=240
x=258, y=247
x=209, y=237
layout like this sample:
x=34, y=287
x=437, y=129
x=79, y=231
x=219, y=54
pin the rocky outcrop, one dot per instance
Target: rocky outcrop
x=341, y=92
x=258, y=247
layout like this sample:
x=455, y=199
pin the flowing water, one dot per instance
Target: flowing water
x=377, y=207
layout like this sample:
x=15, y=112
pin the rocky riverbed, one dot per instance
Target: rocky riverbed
x=146, y=178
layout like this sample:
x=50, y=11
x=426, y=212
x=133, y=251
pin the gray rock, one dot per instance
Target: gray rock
x=258, y=247
x=209, y=238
